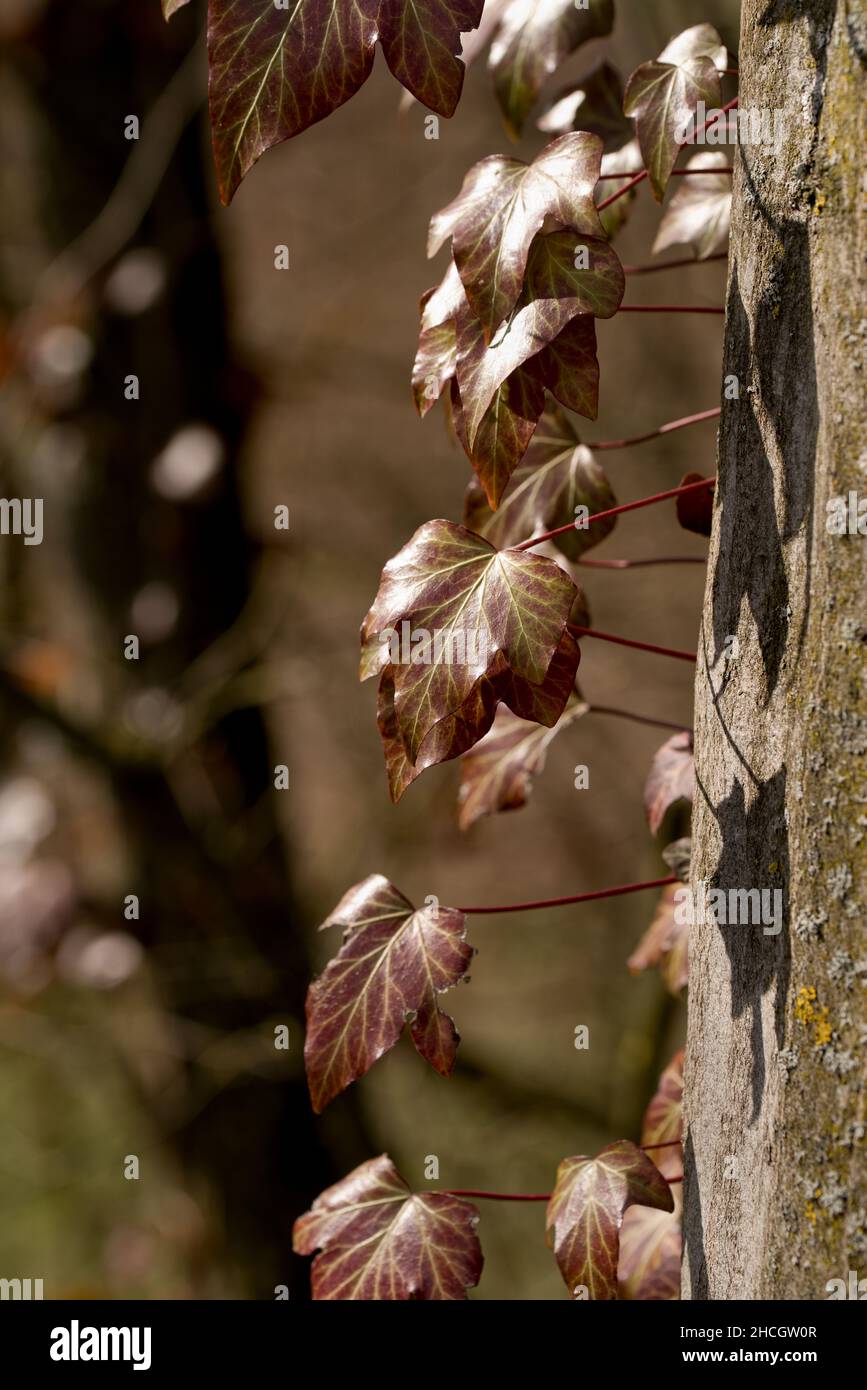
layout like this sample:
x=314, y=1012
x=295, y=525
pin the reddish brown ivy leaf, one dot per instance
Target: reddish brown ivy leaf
x=506, y=429
x=436, y=357
x=541, y=704
x=586, y=1210
x=695, y=509
x=476, y=42
x=596, y=104
x=650, y=1253
x=569, y=367
x=498, y=774
x=545, y=701
x=665, y=943
x=699, y=214
x=557, y=288
x=580, y=614
x=452, y=612
x=449, y=737
x=558, y=474
x=435, y=360
x=393, y=964
x=663, y=97
x=274, y=72
x=671, y=778
x=626, y=160
x=379, y=1240
x=502, y=205
x=663, y=1119
x=533, y=40
x=398, y=768
x=651, y=1241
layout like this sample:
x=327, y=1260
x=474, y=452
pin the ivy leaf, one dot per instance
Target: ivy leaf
x=569, y=367
x=449, y=737
x=558, y=474
x=663, y=1119
x=502, y=205
x=663, y=97
x=446, y=302
x=435, y=359
x=665, y=943
x=435, y=362
x=467, y=613
x=421, y=40
x=699, y=214
x=393, y=964
x=627, y=160
x=506, y=429
x=477, y=41
x=651, y=1241
x=580, y=614
x=544, y=701
x=557, y=289
x=671, y=778
x=274, y=72
x=586, y=1210
x=497, y=775
x=540, y=704
x=700, y=41
x=555, y=272
x=596, y=104
x=534, y=38
x=695, y=509
x=379, y=1240
x=398, y=768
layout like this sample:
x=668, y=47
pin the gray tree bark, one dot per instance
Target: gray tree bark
x=775, y=1188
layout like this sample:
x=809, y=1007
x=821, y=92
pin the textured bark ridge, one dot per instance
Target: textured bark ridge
x=775, y=1157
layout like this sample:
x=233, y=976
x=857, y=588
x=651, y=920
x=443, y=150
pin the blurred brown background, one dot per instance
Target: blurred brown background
x=154, y=1035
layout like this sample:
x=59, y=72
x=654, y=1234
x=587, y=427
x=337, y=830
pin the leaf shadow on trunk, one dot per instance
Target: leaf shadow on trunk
x=754, y=854
x=754, y=857
x=693, y=1229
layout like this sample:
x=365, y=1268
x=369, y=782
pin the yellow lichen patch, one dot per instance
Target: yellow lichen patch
x=823, y=1030
x=805, y=1011
x=810, y=1213
x=819, y=204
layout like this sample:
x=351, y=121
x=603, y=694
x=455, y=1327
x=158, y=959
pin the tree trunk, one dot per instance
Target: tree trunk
x=775, y=1195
